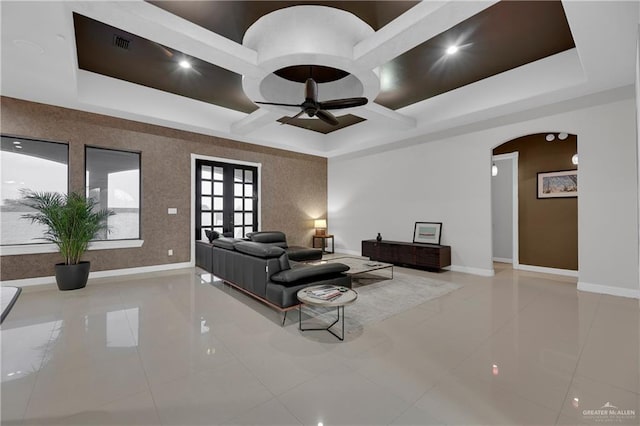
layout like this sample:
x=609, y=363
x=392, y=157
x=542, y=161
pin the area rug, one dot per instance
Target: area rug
x=380, y=298
x=8, y=296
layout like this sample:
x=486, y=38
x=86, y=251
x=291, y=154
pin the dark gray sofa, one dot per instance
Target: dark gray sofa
x=265, y=272
x=279, y=239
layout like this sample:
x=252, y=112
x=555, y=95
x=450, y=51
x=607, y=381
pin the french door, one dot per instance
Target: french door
x=226, y=199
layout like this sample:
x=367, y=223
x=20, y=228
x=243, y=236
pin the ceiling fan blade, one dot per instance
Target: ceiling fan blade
x=290, y=119
x=343, y=103
x=327, y=117
x=311, y=90
x=276, y=103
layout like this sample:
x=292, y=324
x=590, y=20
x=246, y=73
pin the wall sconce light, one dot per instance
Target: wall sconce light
x=494, y=170
x=321, y=226
x=574, y=159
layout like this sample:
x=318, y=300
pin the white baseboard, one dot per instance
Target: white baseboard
x=27, y=282
x=606, y=289
x=502, y=260
x=470, y=270
x=545, y=270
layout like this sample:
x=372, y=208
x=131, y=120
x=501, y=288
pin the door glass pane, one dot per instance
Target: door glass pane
x=248, y=229
x=206, y=203
x=206, y=219
x=237, y=191
x=206, y=172
x=217, y=203
x=237, y=219
x=206, y=188
x=217, y=219
x=218, y=229
x=248, y=176
x=248, y=218
x=248, y=190
x=217, y=173
x=217, y=188
x=237, y=232
x=237, y=175
x=248, y=205
x=237, y=203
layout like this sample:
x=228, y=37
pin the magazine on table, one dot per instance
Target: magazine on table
x=327, y=292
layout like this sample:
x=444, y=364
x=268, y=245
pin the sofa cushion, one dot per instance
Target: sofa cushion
x=304, y=254
x=302, y=271
x=212, y=235
x=225, y=243
x=268, y=237
x=265, y=251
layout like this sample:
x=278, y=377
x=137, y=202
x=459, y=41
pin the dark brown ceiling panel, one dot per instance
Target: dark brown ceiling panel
x=505, y=36
x=322, y=127
x=231, y=19
x=109, y=51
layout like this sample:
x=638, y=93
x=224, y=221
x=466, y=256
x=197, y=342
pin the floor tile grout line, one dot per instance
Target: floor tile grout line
x=144, y=371
x=37, y=374
x=575, y=369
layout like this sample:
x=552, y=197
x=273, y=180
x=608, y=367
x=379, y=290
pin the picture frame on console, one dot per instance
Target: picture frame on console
x=427, y=232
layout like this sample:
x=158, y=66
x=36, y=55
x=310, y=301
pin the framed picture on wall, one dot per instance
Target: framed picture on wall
x=560, y=184
x=427, y=232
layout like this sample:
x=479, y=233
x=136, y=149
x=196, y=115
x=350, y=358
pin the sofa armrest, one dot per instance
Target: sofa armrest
x=301, y=272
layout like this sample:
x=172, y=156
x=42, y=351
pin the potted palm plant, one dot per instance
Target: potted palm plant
x=72, y=221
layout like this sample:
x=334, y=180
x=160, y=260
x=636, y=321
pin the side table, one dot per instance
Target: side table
x=347, y=297
x=324, y=239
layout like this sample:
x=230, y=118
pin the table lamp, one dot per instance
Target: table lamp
x=321, y=226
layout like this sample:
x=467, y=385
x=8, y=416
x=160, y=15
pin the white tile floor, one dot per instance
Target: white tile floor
x=171, y=348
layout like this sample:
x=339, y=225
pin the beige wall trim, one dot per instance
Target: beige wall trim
x=473, y=271
x=195, y=157
x=28, y=282
x=605, y=289
x=545, y=270
x=52, y=248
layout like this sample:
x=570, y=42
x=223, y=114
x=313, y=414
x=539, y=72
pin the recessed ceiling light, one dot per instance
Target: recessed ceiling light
x=18, y=146
x=451, y=50
x=574, y=159
x=550, y=137
x=185, y=64
x=562, y=136
x=16, y=142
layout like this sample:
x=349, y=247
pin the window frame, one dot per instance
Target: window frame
x=41, y=248
x=139, y=237
x=26, y=138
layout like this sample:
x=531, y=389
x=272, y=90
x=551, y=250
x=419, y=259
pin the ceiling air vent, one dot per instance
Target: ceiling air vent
x=121, y=42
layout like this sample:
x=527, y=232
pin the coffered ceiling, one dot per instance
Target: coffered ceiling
x=123, y=59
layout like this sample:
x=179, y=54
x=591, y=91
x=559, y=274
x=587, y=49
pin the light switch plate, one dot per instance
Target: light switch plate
x=172, y=210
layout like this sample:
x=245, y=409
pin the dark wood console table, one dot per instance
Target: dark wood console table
x=424, y=256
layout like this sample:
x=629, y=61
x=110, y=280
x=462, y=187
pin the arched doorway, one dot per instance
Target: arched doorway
x=545, y=218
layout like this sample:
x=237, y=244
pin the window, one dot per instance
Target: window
x=227, y=197
x=113, y=179
x=34, y=165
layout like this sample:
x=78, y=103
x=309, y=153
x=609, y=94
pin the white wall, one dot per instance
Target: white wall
x=502, y=210
x=449, y=180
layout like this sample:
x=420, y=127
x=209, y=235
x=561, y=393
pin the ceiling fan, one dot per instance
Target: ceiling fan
x=312, y=107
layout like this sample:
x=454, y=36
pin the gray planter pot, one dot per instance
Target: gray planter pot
x=72, y=277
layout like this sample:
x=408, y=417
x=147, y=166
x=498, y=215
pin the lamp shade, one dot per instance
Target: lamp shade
x=320, y=223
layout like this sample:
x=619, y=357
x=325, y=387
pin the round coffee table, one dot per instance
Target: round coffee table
x=346, y=297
